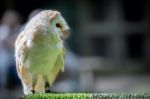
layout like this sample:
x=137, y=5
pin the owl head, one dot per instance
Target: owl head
x=59, y=24
x=45, y=23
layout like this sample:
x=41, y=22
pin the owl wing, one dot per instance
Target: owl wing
x=62, y=59
x=21, y=52
x=59, y=66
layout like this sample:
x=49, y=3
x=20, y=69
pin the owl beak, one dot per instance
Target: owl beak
x=65, y=34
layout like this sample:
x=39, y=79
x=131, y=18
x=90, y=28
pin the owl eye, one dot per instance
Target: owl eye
x=58, y=25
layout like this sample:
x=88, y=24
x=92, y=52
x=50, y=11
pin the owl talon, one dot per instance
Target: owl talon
x=33, y=91
x=48, y=90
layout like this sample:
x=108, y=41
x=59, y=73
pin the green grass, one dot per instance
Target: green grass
x=88, y=96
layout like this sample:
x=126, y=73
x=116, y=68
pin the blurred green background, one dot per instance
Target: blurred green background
x=108, y=49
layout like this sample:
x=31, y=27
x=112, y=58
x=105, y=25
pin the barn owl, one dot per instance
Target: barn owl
x=39, y=51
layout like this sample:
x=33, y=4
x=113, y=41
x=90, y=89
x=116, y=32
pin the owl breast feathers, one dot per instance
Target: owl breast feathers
x=39, y=51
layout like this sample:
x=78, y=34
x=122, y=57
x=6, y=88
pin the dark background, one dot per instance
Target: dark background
x=108, y=49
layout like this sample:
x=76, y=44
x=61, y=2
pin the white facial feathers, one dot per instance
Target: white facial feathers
x=46, y=21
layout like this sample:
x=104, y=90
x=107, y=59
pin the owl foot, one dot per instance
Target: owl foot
x=33, y=91
x=47, y=88
x=50, y=90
